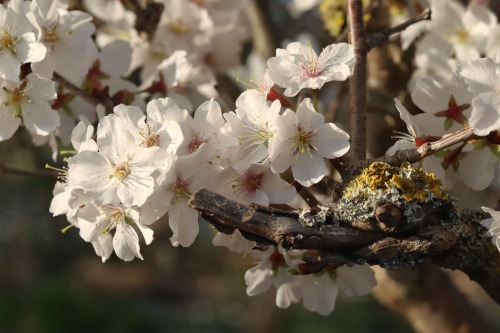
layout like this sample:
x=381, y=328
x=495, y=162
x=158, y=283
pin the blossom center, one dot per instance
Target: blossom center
x=113, y=215
x=121, y=171
x=51, y=36
x=179, y=189
x=178, y=28
x=151, y=139
x=7, y=42
x=311, y=65
x=277, y=259
x=195, y=143
x=247, y=184
x=303, y=141
x=256, y=133
x=454, y=111
x=462, y=36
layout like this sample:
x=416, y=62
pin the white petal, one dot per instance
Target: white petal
x=477, y=169
x=259, y=278
x=89, y=169
x=307, y=117
x=183, y=221
x=278, y=190
x=355, y=281
x=320, y=294
x=308, y=169
x=281, y=153
x=430, y=96
x=330, y=141
x=8, y=124
x=103, y=246
x=288, y=290
x=481, y=75
x=39, y=118
x=399, y=145
x=147, y=232
x=126, y=243
x=485, y=115
x=115, y=58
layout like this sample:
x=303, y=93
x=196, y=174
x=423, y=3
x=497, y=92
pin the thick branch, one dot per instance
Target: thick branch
x=452, y=239
x=357, y=83
x=379, y=38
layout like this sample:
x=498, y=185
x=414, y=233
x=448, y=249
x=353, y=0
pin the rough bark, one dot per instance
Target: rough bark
x=448, y=236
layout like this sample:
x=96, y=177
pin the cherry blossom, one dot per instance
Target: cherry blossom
x=18, y=42
x=26, y=101
x=67, y=37
x=120, y=172
x=156, y=131
x=253, y=123
x=298, y=66
x=174, y=188
x=483, y=78
x=96, y=222
x=465, y=29
x=302, y=141
x=257, y=185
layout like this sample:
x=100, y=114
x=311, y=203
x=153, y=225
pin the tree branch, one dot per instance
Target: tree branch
x=22, y=172
x=417, y=154
x=108, y=103
x=357, y=83
x=379, y=38
x=449, y=236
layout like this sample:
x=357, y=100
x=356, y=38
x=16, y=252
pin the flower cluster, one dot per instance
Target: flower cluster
x=153, y=163
x=149, y=129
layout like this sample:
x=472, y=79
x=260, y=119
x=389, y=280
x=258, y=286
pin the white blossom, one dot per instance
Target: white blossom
x=303, y=140
x=253, y=123
x=483, y=78
x=153, y=131
x=18, y=42
x=174, y=188
x=67, y=37
x=120, y=172
x=299, y=66
x=465, y=29
x=97, y=221
x=257, y=185
x=26, y=101
x=493, y=225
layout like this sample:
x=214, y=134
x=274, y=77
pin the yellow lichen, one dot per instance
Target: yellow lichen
x=412, y=183
x=333, y=15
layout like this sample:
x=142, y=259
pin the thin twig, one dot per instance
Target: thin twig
x=417, y=154
x=357, y=84
x=379, y=38
x=21, y=172
x=108, y=104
